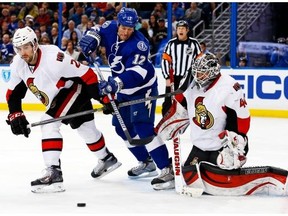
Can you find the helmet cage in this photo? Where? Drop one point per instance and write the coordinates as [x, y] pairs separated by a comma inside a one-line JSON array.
[[205, 68]]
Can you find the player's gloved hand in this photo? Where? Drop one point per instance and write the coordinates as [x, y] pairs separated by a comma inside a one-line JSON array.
[[89, 43], [233, 141], [18, 123], [111, 86], [232, 155], [167, 101], [107, 106]]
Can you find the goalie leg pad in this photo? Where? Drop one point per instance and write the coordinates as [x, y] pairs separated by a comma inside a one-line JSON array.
[[262, 180], [191, 177]]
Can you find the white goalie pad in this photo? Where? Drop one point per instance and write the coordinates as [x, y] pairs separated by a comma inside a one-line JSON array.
[[174, 122]]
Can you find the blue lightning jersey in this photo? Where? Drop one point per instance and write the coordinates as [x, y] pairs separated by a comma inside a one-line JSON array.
[[128, 60]]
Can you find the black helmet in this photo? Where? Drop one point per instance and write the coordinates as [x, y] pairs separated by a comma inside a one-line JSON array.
[[182, 23]]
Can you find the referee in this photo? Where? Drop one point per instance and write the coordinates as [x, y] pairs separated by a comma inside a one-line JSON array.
[[178, 55]]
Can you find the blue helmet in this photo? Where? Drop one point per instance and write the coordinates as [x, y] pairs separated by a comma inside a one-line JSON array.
[[127, 17]]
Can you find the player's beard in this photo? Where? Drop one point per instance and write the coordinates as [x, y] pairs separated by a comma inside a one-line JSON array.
[[29, 59]]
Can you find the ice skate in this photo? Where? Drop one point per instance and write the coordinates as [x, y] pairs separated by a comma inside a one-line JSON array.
[[105, 166], [51, 182], [143, 170], [165, 180]]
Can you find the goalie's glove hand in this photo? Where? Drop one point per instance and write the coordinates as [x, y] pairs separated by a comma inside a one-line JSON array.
[[174, 122], [232, 156], [233, 141], [111, 86], [89, 43], [18, 123], [107, 106]]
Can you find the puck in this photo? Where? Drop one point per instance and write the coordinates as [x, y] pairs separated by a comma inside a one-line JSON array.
[[81, 204]]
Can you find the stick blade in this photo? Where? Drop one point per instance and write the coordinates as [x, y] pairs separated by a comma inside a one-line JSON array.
[[142, 141], [192, 192]]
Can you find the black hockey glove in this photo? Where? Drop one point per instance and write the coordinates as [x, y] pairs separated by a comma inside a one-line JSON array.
[[18, 123], [107, 106], [167, 102]]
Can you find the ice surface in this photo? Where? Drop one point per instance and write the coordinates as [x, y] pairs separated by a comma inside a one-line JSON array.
[[21, 162]]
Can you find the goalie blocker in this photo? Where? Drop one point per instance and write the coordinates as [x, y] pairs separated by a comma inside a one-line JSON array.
[[174, 122], [261, 180]]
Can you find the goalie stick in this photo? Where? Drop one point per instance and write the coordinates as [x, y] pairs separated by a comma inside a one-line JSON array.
[[181, 187], [176, 144]]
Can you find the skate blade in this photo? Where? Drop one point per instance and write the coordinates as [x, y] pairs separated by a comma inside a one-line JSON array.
[[53, 188], [145, 175], [110, 169], [164, 186]]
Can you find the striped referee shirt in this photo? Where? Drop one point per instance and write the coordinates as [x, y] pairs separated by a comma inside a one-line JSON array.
[[180, 54]]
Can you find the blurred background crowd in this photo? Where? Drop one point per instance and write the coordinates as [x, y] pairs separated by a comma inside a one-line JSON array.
[[78, 18]]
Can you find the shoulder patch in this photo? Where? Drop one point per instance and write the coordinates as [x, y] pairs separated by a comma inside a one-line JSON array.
[[142, 46], [106, 24], [60, 56], [237, 86]]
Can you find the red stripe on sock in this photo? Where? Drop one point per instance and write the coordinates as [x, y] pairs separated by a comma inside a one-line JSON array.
[[97, 145], [52, 144]]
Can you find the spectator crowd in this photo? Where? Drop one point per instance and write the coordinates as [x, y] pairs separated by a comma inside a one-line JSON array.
[[78, 18]]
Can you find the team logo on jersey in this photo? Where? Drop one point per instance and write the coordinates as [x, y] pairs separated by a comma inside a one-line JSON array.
[[189, 51], [39, 94], [6, 75], [115, 63], [106, 24], [142, 46], [203, 118]]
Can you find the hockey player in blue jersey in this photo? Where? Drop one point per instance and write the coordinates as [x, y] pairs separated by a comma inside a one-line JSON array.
[[133, 77]]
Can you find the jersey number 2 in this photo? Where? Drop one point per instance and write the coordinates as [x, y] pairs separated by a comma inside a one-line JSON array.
[[77, 64]]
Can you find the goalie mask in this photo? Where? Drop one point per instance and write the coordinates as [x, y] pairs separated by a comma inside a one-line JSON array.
[[205, 69]]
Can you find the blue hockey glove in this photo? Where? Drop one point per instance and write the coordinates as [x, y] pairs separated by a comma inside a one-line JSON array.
[[89, 43], [111, 86]]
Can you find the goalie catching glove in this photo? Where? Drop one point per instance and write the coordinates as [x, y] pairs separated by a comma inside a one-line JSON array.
[[174, 122], [233, 155]]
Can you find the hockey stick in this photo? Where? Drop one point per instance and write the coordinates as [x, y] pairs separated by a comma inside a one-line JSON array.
[[123, 104], [180, 187], [177, 167], [132, 141]]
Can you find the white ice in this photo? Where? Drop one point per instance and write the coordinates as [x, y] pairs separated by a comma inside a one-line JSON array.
[[21, 162]]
